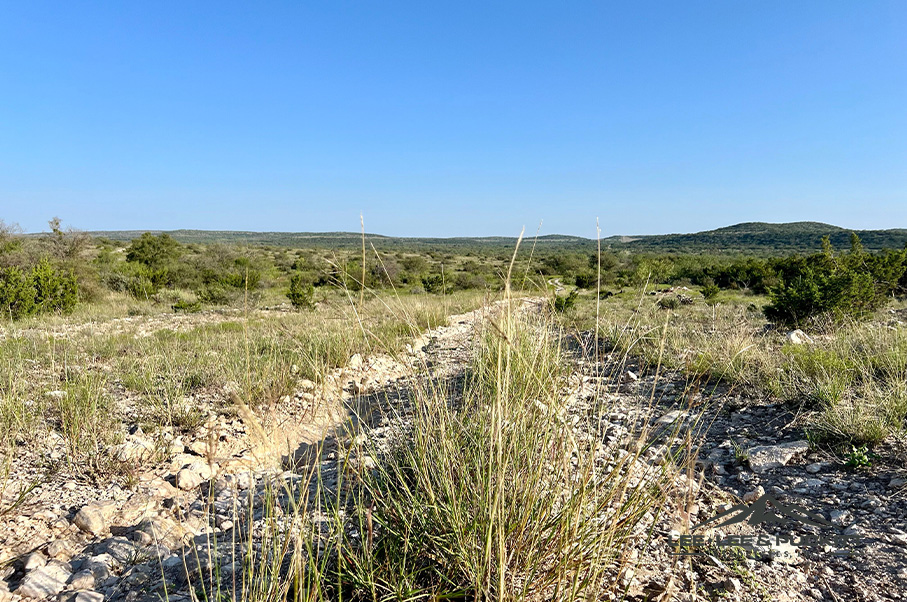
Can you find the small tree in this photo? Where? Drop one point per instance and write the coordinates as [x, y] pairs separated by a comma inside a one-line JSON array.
[[585, 280], [17, 294], [53, 291], [852, 285], [301, 293], [710, 291], [153, 251], [433, 283], [563, 304]]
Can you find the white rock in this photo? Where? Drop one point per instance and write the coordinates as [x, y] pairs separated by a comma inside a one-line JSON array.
[[135, 449], [751, 496], [86, 596], [35, 560], [766, 457], [43, 582], [57, 549], [853, 530], [187, 479], [841, 517], [120, 549], [91, 520], [671, 417], [798, 337], [199, 447], [176, 447], [82, 580]]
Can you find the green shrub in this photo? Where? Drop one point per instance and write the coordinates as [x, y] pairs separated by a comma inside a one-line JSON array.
[[839, 294], [710, 291], [140, 287], [53, 291], [564, 304], [586, 280], [301, 293], [852, 285], [669, 303], [187, 306], [17, 294], [153, 251], [45, 290], [242, 279], [433, 283], [216, 294]]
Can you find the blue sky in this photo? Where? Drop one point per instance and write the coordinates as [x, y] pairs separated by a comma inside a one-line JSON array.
[[453, 118]]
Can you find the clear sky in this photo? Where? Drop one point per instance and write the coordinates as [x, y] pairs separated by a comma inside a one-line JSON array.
[[453, 118]]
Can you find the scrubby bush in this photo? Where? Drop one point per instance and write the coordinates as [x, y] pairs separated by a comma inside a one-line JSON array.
[[564, 304], [464, 281], [153, 251], [45, 290], [187, 306], [217, 294], [669, 303], [53, 291], [17, 294], [710, 291], [848, 286], [586, 280], [301, 293], [433, 283]]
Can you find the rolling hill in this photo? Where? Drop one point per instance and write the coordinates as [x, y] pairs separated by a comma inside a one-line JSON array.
[[749, 238]]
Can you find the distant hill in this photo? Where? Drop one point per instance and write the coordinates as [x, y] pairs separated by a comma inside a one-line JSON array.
[[757, 238], [349, 240]]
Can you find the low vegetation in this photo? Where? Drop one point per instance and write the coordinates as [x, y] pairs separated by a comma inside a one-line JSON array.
[[489, 493], [848, 377]]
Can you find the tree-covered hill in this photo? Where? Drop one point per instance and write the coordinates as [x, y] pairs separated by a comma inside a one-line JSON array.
[[757, 238]]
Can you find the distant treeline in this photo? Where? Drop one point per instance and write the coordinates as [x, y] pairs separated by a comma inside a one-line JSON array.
[[800, 287], [754, 238], [49, 272]]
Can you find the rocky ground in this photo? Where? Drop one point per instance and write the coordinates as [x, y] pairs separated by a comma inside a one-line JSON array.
[[144, 539]]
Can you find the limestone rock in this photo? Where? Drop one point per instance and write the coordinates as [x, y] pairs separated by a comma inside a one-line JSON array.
[[82, 580], [193, 475], [798, 337], [35, 560], [755, 494], [58, 549], [134, 449], [91, 519], [85, 595], [44, 582], [767, 457]]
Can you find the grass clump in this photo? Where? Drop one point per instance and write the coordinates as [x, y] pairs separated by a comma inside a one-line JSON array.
[[87, 421], [493, 496]]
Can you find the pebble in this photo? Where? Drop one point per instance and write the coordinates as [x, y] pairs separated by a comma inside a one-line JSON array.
[[82, 580], [35, 560], [91, 519], [755, 494]]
